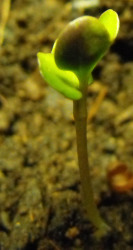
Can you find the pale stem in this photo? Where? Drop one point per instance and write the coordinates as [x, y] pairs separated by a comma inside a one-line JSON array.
[[80, 115]]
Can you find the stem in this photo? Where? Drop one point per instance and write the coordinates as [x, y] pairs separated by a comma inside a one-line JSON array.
[[80, 115]]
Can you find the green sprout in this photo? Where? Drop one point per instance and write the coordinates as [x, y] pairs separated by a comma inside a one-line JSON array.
[[68, 69]]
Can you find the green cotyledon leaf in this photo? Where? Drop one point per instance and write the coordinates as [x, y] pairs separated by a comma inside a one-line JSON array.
[[84, 41], [63, 81], [111, 22], [81, 45]]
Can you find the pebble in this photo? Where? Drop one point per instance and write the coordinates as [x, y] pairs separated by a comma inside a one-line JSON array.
[[110, 145], [106, 111], [120, 178], [4, 221], [72, 232], [125, 116], [31, 90], [4, 121]]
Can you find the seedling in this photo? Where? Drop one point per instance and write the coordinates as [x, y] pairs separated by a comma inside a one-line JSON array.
[[68, 69]]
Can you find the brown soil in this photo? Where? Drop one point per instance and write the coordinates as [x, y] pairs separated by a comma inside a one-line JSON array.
[[40, 203]]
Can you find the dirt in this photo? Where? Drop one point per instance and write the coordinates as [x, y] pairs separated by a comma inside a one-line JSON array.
[[40, 203]]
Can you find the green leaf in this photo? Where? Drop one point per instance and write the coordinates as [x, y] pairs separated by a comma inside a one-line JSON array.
[[63, 81], [110, 20], [81, 45]]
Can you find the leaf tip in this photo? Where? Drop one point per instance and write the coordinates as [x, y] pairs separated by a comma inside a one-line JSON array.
[[111, 22]]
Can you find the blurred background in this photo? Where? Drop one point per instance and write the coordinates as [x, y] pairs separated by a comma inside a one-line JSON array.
[[40, 203]]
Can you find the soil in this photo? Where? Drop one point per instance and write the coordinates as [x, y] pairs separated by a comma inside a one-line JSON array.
[[40, 203]]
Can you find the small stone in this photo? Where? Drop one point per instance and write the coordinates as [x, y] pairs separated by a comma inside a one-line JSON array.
[[120, 177], [110, 145], [4, 121], [72, 232], [31, 90], [125, 116]]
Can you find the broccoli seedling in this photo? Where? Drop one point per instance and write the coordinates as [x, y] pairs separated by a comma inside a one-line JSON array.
[[68, 69]]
